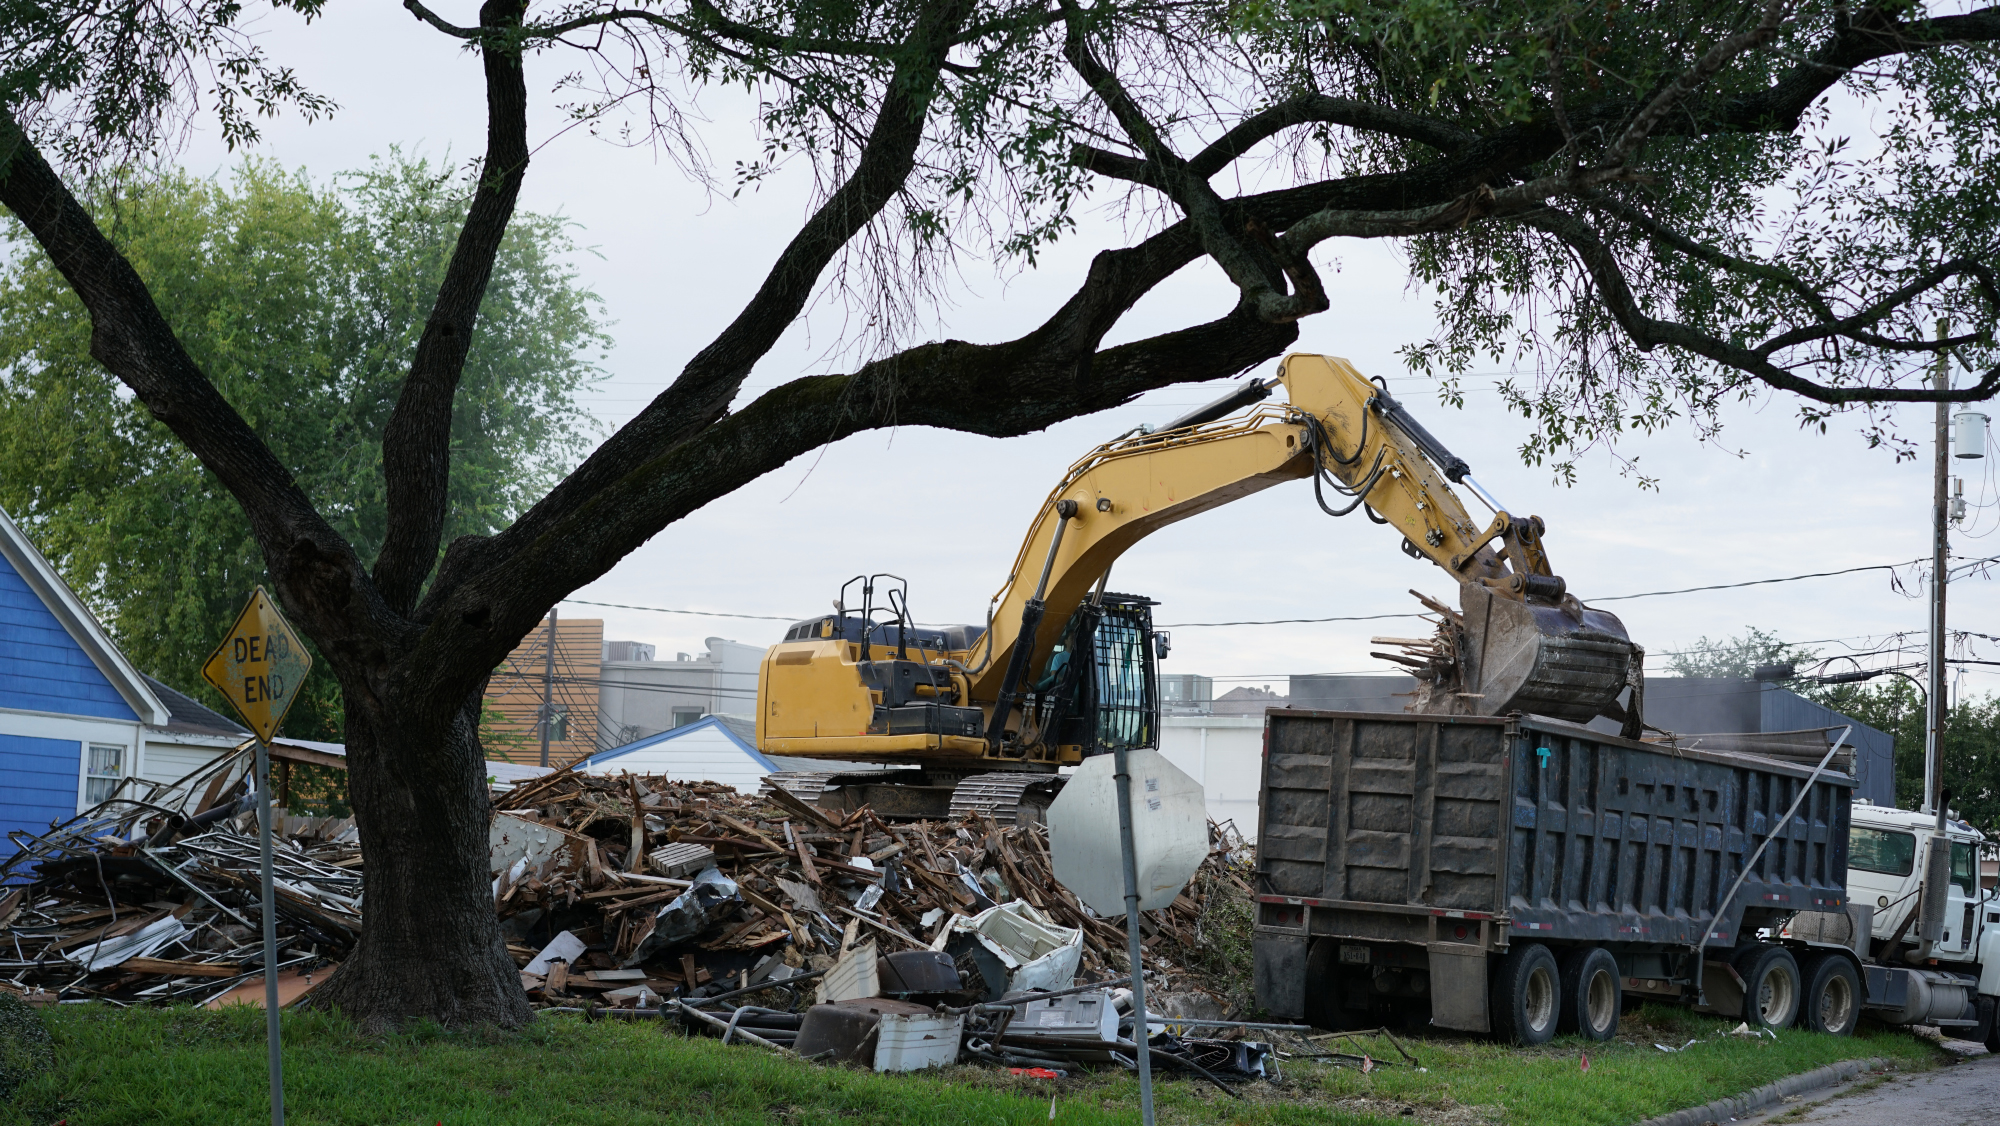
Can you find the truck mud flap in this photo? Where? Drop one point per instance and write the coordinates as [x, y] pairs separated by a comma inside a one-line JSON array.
[[1280, 974], [1458, 987]]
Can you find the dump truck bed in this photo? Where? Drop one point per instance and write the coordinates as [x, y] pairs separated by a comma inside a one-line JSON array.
[[1474, 831]]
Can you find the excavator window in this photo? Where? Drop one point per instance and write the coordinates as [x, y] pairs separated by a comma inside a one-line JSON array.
[[1098, 688], [1124, 697]]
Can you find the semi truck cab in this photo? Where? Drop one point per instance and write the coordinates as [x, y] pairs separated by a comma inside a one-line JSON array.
[[1947, 974]]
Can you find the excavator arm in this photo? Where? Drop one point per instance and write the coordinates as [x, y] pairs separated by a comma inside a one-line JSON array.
[[1522, 636]]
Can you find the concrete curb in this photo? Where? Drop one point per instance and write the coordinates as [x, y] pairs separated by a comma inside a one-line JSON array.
[[1749, 1102]]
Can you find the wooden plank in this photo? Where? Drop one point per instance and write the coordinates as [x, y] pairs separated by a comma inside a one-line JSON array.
[[788, 801], [178, 968], [878, 924], [748, 831]]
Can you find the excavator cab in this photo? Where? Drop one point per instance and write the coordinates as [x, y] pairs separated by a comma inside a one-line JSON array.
[[1099, 689]]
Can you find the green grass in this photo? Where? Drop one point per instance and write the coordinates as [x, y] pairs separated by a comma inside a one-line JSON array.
[[1629, 1079], [190, 1066]]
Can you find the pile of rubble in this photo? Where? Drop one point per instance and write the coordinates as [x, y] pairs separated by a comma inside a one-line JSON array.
[[844, 936], [134, 903], [641, 897], [675, 889]]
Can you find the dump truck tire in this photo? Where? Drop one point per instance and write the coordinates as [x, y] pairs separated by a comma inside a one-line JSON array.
[[1832, 1000], [1771, 986], [1527, 996], [1593, 995], [1323, 1008]]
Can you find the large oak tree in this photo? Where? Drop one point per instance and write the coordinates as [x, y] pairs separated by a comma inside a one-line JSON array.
[[1654, 203]]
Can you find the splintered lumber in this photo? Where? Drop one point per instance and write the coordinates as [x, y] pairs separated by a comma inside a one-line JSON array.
[[174, 967]]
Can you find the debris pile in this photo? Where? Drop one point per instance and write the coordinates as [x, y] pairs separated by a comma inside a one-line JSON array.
[[846, 936], [676, 889], [758, 918], [135, 903]]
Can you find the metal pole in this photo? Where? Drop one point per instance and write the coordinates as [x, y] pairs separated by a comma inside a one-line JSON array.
[[1940, 563], [1123, 777], [548, 686], [264, 816]]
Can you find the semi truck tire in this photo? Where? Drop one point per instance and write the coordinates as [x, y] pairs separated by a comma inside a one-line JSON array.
[[1989, 1023], [1592, 993], [1832, 1000], [1325, 1006], [1527, 996], [1771, 986]]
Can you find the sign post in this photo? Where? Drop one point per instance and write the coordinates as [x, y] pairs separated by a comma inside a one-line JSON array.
[[1142, 1031], [1160, 840], [259, 668]]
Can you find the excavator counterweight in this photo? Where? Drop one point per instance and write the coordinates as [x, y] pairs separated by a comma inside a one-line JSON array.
[[1064, 669]]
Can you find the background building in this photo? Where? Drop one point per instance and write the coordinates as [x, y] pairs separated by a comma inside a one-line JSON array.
[[608, 694], [642, 697], [556, 671]]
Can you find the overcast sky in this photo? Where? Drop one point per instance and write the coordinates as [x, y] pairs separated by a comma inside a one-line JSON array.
[[946, 510]]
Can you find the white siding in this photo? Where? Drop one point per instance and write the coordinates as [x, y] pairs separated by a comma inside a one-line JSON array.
[[698, 754], [168, 762], [1225, 753]]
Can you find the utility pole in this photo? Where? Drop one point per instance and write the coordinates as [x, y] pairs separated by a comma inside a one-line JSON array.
[[549, 676], [1940, 567]]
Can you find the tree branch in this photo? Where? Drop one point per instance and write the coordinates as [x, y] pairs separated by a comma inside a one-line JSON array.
[[1648, 332], [416, 446], [1708, 66], [1004, 389], [1256, 266], [1855, 327], [1312, 108], [700, 395], [1872, 35], [1667, 236]]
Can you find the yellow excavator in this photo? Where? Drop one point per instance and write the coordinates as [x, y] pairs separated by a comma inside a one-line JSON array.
[[1064, 669]]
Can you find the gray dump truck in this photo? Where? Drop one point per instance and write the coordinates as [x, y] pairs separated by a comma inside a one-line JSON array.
[[1523, 877]]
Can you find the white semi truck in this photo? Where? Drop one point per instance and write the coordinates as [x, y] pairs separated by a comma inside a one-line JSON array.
[[1933, 953]]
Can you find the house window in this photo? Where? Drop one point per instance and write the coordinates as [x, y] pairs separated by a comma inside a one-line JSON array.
[[103, 772], [685, 716]]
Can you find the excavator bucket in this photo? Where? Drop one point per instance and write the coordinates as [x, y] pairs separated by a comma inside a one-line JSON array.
[[1562, 661]]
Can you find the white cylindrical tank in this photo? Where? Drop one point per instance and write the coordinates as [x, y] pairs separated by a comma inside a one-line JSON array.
[[1968, 434]]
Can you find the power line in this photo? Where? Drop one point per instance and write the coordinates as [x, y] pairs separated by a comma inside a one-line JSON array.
[[695, 613], [1758, 582], [1290, 621], [1360, 617]]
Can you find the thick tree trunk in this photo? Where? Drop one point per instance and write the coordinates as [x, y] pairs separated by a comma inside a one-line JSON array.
[[432, 946]]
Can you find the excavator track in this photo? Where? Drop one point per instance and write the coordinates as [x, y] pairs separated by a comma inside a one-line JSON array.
[[1010, 798]]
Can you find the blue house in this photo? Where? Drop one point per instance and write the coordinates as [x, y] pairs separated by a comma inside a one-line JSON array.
[[74, 714]]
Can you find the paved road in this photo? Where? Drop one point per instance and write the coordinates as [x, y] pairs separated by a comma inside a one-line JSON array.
[[1965, 1094]]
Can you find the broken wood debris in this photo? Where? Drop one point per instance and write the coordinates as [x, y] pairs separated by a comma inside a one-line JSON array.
[[133, 903], [633, 892]]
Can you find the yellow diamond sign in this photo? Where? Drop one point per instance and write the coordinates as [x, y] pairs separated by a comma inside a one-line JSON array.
[[260, 666]]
